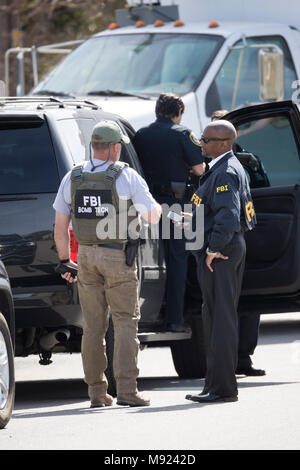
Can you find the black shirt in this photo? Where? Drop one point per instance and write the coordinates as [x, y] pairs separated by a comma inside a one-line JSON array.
[[167, 151]]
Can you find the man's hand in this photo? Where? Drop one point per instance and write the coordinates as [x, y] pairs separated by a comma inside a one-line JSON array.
[[199, 169], [153, 216], [210, 258], [62, 241], [187, 215], [67, 276]]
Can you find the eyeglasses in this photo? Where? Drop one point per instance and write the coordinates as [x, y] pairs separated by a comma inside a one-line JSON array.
[[208, 139]]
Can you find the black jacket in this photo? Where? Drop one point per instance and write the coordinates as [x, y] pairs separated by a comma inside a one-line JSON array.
[[167, 151], [228, 208]]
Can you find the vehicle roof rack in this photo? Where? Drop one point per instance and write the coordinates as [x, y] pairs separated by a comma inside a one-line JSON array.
[[48, 101]]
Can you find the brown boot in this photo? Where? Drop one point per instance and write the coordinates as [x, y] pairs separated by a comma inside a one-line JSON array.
[[132, 399], [107, 400]]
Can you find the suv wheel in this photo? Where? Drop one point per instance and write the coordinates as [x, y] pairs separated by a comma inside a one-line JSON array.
[[189, 355], [7, 376]]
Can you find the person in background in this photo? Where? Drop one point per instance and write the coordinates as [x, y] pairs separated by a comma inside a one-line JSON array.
[[168, 152]]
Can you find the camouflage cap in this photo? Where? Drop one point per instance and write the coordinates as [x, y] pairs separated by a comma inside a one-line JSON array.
[[108, 132]]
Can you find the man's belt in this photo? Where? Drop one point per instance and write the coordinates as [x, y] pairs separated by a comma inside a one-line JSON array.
[[114, 246], [174, 189]]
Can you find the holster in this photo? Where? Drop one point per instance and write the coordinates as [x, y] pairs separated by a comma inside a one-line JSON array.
[[173, 189], [178, 189], [131, 250]]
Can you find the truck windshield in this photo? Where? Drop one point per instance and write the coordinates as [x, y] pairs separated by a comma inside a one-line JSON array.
[[147, 64]]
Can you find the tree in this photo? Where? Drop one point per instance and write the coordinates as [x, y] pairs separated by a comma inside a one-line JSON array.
[[44, 22], [7, 23]]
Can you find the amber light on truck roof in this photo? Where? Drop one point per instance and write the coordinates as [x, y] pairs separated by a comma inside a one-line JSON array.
[[140, 24], [159, 23], [213, 24], [178, 23], [113, 26]]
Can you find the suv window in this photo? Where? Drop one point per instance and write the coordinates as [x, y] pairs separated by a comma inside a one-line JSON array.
[[220, 93], [74, 132], [271, 141], [27, 160], [77, 136]]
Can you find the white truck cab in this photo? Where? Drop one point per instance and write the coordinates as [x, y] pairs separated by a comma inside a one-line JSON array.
[[216, 55]]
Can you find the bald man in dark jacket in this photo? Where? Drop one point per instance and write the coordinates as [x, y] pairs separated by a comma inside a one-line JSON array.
[[228, 212]]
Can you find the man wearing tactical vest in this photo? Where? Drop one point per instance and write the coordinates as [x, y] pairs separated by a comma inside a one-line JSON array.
[[96, 196]]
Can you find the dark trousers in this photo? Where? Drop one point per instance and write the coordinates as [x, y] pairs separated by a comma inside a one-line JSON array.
[[176, 258], [248, 337], [221, 291]]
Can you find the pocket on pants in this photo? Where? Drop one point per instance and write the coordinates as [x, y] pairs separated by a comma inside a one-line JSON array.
[[117, 268]]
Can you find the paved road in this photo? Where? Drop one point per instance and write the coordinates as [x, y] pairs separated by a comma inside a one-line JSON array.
[[52, 407]]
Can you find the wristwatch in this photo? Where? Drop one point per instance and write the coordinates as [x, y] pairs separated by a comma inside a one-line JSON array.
[[211, 253], [64, 261]]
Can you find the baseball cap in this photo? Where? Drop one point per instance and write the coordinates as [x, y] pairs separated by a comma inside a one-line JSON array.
[[108, 132]]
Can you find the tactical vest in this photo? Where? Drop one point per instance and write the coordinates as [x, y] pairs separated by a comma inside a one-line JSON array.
[[98, 214]]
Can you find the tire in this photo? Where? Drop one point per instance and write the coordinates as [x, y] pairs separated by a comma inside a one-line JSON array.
[[189, 355], [110, 341], [7, 374]]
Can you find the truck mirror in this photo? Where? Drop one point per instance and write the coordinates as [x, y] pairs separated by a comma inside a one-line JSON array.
[[271, 73]]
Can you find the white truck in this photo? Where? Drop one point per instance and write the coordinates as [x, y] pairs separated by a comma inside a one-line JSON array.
[[214, 54]]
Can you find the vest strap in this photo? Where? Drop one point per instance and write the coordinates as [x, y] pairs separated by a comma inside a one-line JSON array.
[[114, 171], [77, 172]]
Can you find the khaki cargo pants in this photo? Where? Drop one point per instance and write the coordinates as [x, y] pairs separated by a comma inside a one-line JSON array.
[[106, 282]]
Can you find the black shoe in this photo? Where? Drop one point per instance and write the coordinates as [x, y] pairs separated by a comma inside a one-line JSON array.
[[250, 371], [210, 398], [188, 397], [177, 327], [191, 396]]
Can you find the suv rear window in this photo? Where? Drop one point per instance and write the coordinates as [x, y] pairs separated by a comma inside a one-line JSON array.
[[27, 160]]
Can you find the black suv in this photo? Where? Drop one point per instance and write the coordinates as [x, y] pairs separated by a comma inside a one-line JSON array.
[[42, 138]]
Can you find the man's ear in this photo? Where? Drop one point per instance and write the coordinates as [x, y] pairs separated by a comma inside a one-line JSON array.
[[226, 146], [117, 150]]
